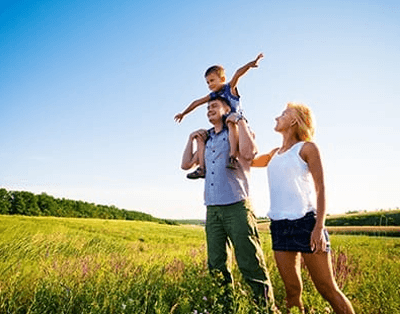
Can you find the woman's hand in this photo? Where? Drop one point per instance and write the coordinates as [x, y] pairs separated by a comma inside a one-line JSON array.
[[318, 240]]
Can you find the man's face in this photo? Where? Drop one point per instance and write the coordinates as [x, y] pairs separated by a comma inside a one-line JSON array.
[[216, 109]]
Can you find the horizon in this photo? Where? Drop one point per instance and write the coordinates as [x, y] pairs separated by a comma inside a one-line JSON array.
[[185, 219]]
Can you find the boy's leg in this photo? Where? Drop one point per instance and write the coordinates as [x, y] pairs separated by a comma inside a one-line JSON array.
[[234, 145], [201, 145], [200, 172]]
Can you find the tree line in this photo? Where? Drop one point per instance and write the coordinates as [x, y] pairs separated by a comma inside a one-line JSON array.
[[30, 204], [379, 218]]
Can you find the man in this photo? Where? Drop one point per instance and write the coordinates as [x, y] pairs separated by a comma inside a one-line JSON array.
[[230, 218]]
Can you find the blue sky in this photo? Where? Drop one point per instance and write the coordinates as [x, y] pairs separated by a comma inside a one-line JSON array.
[[89, 89]]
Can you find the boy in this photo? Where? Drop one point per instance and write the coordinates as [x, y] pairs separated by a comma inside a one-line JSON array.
[[215, 78]]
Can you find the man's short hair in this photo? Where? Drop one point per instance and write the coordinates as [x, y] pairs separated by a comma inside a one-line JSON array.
[[223, 100]]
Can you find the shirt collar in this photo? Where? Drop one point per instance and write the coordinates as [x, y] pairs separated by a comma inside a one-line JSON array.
[[212, 130]]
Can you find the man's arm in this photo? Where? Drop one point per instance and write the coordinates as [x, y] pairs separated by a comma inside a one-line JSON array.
[[190, 158], [196, 103], [243, 70]]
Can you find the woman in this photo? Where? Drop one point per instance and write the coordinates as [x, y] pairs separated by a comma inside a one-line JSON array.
[[297, 210]]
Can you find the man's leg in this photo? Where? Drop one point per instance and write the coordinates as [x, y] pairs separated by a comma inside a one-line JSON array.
[[217, 242], [218, 247], [242, 230]]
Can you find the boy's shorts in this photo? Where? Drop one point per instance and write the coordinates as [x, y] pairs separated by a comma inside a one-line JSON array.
[[295, 235]]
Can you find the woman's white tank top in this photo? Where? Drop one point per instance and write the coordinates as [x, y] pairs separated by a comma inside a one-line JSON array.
[[291, 185]]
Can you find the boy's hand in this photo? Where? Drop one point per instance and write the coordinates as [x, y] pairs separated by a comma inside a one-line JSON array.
[[254, 64], [178, 117]]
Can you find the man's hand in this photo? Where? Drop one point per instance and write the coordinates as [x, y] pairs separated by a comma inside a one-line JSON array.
[[200, 134], [178, 117]]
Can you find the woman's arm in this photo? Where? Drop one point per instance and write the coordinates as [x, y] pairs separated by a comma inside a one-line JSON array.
[[263, 160], [310, 154]]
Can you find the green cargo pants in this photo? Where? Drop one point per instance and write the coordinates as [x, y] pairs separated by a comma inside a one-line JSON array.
[[236, 223]]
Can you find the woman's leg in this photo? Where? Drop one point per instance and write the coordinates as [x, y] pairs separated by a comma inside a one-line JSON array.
[[289, 268], [320, 267]]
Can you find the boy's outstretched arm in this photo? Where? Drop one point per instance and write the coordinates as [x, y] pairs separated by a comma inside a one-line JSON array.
[[196, 103], [243, 70]]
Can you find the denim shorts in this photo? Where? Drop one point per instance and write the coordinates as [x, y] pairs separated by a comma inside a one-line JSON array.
[[295, 235]]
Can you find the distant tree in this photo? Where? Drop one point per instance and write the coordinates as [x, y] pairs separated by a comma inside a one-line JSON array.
[[31, 206], [18, 206], [5, 202], [27, 203], [47, 205], [66, 207]]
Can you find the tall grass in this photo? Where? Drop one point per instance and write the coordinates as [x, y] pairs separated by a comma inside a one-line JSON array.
[[64, 265]]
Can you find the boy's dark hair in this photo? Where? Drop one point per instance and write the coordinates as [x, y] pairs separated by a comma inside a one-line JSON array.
[[217, 69]]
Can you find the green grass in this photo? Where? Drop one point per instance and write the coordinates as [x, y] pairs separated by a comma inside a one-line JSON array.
[[66, 265]]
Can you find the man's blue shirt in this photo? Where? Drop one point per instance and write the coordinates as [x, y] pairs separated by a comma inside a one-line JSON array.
[[223, 186]]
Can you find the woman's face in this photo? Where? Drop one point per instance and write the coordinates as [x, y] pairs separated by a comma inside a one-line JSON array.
[[285, 120]]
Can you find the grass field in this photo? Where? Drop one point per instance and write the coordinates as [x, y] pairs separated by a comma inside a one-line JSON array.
[[65, 265]]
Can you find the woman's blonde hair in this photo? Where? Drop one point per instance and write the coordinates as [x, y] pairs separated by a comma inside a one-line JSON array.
[[305, 121]]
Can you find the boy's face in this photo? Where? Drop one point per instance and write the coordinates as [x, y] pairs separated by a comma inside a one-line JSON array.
[[215, 82]]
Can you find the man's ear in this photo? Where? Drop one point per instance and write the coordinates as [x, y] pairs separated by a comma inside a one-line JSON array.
[[223, 79]]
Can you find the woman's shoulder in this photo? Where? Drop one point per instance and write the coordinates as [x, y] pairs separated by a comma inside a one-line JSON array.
[[309, 146], [309, 149]]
